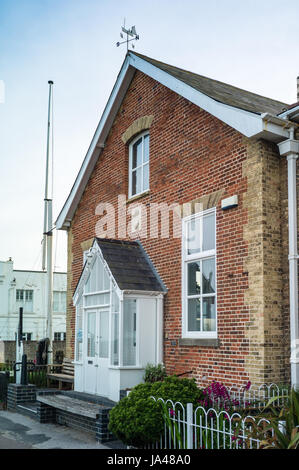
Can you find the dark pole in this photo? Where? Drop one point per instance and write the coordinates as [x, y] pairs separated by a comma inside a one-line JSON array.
[[20, 330], [24, 380]]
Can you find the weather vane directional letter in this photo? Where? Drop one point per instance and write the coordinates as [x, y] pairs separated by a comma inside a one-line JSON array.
[[129, 32]]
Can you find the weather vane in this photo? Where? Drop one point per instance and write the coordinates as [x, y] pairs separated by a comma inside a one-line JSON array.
[[129, 32]]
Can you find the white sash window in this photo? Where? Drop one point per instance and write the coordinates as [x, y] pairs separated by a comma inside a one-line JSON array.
[[139, 165], [199, 275]]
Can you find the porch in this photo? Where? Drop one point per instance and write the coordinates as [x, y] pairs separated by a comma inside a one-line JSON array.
[[119, 318]]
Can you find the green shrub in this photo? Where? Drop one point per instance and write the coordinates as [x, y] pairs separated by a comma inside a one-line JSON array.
[[154, 373], [138, 420]]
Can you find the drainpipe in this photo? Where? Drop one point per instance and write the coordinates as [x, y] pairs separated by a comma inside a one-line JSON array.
[[290, 149]]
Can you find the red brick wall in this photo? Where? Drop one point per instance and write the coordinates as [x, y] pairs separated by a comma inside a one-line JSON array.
[[191, 154]]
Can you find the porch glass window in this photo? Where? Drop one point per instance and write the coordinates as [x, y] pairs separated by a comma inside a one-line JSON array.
[[139, 165], [79, 330], [199, 275], [115, 329], [91, 336], [129, 333], [111, 324]]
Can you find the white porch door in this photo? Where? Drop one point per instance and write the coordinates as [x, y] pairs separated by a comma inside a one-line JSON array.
[[97, 352]]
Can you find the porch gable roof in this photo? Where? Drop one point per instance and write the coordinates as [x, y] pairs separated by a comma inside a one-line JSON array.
[[130, 265], [127, 263]]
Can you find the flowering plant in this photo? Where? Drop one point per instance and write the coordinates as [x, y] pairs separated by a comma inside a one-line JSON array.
[[216, 395]]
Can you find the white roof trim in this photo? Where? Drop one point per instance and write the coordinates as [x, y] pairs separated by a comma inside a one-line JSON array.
[[94, 251], [247, 123]]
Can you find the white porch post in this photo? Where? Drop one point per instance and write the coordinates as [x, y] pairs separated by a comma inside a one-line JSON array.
[[290, 149]]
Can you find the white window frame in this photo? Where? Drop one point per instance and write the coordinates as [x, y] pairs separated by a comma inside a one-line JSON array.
[[139, 136], [24, 300], [196, 257], [62, 335], [60, 302]]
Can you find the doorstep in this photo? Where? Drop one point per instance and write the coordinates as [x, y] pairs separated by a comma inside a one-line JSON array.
[[77, 410], [72, 405]]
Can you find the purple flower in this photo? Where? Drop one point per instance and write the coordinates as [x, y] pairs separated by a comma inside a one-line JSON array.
[[248, 385]]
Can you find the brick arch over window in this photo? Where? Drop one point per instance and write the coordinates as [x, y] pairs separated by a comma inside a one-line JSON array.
[[141, 124]]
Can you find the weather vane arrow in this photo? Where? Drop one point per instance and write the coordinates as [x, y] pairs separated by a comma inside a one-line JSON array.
[[130, 33]]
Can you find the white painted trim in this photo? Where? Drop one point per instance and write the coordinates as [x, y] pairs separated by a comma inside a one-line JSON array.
[[243, 121], [93, 253], [185, 260], [141, 135]]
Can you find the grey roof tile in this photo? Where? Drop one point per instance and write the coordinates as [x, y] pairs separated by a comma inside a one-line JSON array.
[[130, 265], [220, 91]]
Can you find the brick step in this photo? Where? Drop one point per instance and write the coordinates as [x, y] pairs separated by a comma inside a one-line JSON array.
[[83, 414]]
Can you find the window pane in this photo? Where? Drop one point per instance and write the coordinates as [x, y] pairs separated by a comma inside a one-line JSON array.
[[104, 334], [97, 299], [193, 236], [194, 278], [87, 285], [137, 154], [146, 148], [93, 279], [136, 181], [129, 334], [194, 315], [209, 232], [29, 295], [106, 280], [145, 177], [20, 294], [208, 276], [115, 301], [91, 328], [79, 321], [115, 339], [209, 314]]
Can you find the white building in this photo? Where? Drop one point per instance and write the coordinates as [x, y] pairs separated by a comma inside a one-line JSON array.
[[27, 289]]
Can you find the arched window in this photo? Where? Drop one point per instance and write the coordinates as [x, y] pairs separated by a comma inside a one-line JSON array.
[[139, 165]]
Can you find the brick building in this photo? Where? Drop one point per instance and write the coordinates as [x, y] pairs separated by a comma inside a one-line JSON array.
[[186, 179]]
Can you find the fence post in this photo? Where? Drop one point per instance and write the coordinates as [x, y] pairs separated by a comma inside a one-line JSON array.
[[189, 425]]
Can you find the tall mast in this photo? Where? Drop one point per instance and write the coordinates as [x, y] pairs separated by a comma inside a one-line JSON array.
[[47, 235]]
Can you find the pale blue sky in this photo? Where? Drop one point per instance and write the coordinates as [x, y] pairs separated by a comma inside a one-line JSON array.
[[250, 44]]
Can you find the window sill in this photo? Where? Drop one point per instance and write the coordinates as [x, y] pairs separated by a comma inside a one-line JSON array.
[[210, 342], [126, 367], [137, 196]]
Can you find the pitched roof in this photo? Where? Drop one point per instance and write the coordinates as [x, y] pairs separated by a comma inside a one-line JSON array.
[[130, 265], [248, 113], [220, 91]]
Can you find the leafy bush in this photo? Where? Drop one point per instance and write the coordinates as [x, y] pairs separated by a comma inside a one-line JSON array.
[[138, 420], [154, 373]]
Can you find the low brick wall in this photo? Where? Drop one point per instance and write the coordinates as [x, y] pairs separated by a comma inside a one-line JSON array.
[[17, 393], [97, 426]]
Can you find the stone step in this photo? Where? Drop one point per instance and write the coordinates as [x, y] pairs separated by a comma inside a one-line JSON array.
[[70, 404]]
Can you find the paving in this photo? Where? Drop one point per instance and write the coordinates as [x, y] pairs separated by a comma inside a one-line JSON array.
[[22, 432]]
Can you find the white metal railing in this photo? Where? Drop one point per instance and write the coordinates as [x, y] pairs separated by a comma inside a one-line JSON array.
[[212, 426]]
